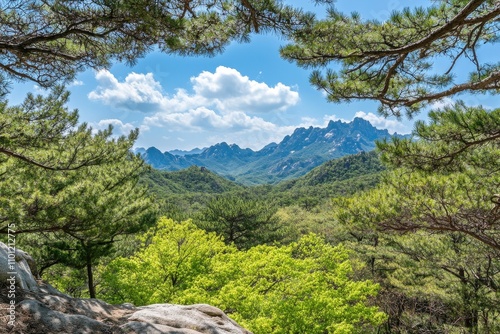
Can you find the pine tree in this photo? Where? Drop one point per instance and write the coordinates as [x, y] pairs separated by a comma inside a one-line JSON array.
[[244, 222], [75, 189], [46, 41], [392, 61]]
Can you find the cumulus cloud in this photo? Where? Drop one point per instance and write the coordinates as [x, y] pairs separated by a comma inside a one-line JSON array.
[[206, 119], [233, 127], [226, 91], [119, 128], [229, 90], [222, 104], [139, 92]]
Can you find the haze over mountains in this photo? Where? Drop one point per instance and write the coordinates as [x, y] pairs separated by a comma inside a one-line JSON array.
[[294, 156]]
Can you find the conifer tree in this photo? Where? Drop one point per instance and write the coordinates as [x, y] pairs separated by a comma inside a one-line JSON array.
[[444, 188], [48, 40], [392, 61], [244, 222], [75, 189]]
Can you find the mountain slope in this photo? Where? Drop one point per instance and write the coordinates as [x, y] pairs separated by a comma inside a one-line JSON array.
[[339, 177], [187, 181], [345, 168], [294, 156]]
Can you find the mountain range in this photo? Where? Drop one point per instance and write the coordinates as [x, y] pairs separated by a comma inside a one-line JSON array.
[[294, 156]]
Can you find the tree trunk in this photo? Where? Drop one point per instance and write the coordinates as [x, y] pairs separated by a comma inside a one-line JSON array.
[[90, 275]]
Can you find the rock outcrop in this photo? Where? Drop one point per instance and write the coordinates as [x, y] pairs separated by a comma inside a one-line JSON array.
[[17, 266], [30, 306]]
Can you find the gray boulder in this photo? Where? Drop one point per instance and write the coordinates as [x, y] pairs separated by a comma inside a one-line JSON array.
[[16, 268], [191, 319]]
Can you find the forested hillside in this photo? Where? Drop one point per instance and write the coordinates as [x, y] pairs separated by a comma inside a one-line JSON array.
[[190, 180], [294, 156], [337, 177]]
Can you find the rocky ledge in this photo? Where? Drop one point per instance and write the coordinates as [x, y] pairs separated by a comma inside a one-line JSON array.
[[31, 306]]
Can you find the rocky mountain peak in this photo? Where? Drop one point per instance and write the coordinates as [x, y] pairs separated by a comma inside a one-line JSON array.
[[294, 156]]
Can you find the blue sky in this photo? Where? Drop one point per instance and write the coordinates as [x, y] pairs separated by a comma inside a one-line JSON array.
[[247, 95]]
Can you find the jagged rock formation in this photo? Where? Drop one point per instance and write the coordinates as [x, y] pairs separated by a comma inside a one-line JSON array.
[[294, 156], [31, 306]]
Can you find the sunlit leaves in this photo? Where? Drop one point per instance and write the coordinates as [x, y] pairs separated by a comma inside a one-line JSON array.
[[304, 287], [173, 256]]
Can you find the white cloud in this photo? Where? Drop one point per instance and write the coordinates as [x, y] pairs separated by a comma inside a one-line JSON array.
[[139, 92], [219, 105], [381, 122], [232, 127], [229, 91], [226, 91], [206, 119], [119, 128]]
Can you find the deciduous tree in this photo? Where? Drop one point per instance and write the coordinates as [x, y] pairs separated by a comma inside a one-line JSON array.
[[304, 287], [172, 256]]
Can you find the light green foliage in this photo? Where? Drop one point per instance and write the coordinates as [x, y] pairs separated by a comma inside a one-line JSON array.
[[298, 221], [391, 61], [173, 255], [304, 287], [64, 269]]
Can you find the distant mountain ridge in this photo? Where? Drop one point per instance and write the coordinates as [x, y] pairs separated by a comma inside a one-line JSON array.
[[182, 152], [294, 156]]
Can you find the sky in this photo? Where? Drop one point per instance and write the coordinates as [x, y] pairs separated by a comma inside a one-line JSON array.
[[246, 95]]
